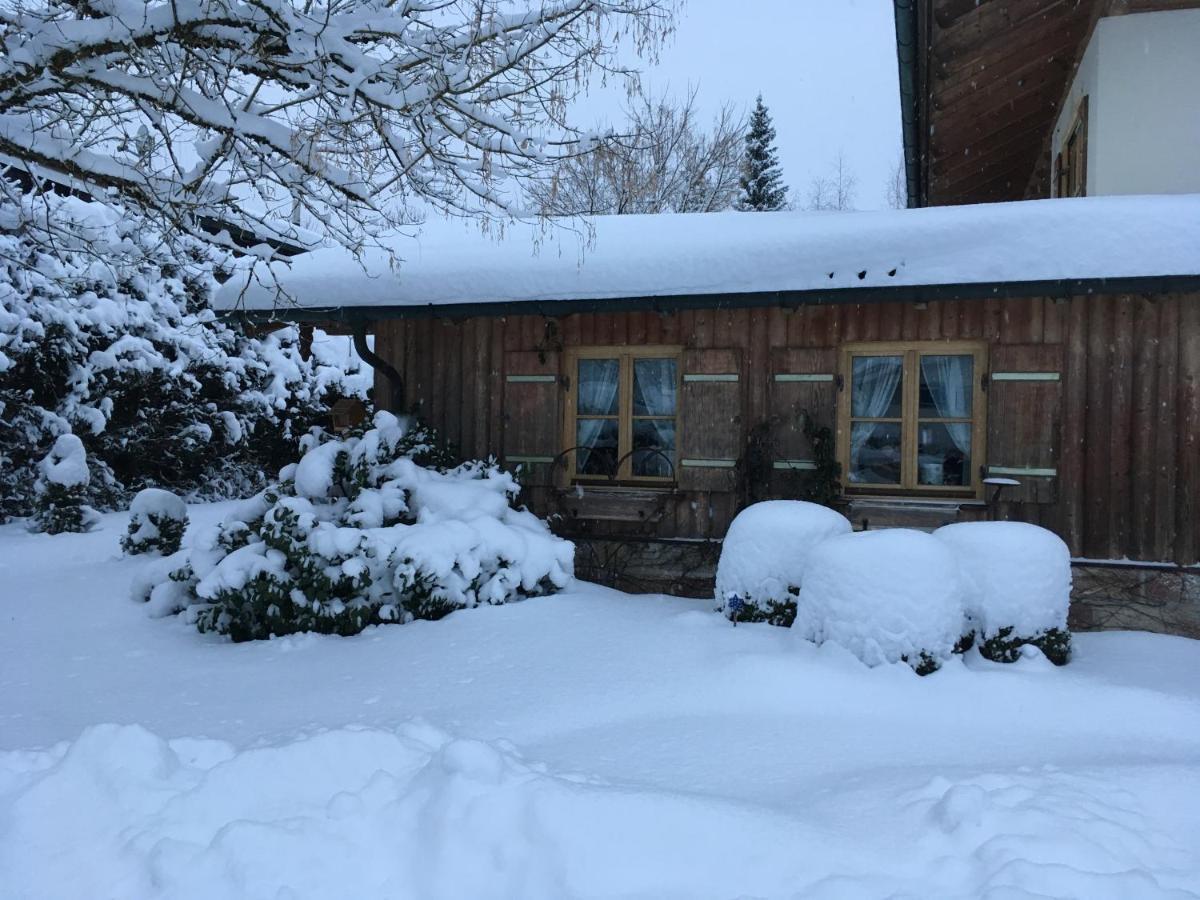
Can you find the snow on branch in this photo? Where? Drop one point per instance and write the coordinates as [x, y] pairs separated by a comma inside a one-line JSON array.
[[341, 112]]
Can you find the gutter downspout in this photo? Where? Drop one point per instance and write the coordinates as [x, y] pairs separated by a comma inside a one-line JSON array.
[[380, 365], [906, 55]]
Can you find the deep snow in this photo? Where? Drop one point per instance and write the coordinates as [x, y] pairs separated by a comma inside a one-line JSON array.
[[602, 257], [590, 744]]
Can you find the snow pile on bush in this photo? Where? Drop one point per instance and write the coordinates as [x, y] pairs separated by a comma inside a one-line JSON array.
[[112, 339], [887, 596], [1018, 587], [63, 478], [157, 521], [364, 530], [764, 554]]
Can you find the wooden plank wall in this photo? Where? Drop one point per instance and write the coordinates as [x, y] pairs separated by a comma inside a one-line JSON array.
[[1129, 467]]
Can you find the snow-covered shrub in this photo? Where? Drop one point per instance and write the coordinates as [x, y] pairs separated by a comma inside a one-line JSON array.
[[157, 521], [886, 596], [763, 557], [63, 479], [1018, 583], [110, 337], [366, 529]]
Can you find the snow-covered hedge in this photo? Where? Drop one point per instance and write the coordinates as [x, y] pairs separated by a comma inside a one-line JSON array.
[[364, 530], [157, 521], [62, 479], [110, 338], [893, 595], [1018, 587], [763, 557]]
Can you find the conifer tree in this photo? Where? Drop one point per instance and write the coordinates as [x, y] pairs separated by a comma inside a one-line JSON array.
[[762, 178]]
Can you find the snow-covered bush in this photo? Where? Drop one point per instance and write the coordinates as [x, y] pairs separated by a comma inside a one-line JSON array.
[[886, 596], [109, 337], [366, 529], [1018, 587], [63, 478], [763, 557], [157, 521]]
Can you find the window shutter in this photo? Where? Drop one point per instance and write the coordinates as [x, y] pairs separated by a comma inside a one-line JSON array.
[[710, 419], [532, 404], [801, 381], [1024, 410]]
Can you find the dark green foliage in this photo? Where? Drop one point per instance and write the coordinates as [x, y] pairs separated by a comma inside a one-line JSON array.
[[61, 509], [762, 178], [924, 664], [773, 612], [317, 595], [115, 341], [753, 472], [823, 484], [1055, 644], [1005, 647], [164, 537]]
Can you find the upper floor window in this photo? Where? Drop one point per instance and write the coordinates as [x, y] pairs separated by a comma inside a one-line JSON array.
[[912, 417], [1070, 166], [622, 413]]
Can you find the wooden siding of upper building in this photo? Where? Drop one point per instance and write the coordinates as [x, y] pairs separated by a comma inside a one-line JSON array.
[[1121, 426], [991, 78]]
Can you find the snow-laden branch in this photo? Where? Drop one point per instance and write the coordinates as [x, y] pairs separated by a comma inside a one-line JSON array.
[[341, 110]]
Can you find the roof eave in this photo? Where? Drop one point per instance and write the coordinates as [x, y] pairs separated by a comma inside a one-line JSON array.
[[1063, 288]]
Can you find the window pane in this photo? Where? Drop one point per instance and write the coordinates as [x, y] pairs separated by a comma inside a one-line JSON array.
[[597, 441], [875, 453], [876, 385], [658, 434], [598, 383], [654, 386], [944, 453], [947, 384]]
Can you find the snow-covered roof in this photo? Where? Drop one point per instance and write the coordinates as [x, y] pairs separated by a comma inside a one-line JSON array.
[[688, 255]]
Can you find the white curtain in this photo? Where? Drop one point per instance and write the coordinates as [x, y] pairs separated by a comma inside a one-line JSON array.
[[950, 380], [875, 382], [655, 384], [654, 387], [597, 392]]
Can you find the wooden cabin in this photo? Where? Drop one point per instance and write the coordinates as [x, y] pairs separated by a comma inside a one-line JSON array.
[[648, 376]]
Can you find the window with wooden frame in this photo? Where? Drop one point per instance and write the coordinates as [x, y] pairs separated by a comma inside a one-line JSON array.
[[911, 417], [1070, 165], [622, 414]]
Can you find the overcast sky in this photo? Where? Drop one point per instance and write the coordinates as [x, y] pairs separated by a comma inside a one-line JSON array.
[[826, 69]]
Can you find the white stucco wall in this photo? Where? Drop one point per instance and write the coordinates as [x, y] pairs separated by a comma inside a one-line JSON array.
[[1141, 74]]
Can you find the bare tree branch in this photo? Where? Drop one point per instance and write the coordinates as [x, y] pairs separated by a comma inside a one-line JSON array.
[[665, 161]]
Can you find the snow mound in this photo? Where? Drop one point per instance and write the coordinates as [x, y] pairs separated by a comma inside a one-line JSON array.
[[886, 596], [157, 521], [410, 813], [1016, 575], [157, 502], [764, 553], [66, 463]]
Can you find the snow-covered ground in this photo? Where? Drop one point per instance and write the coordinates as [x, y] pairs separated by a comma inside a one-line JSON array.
[[590, 744]]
